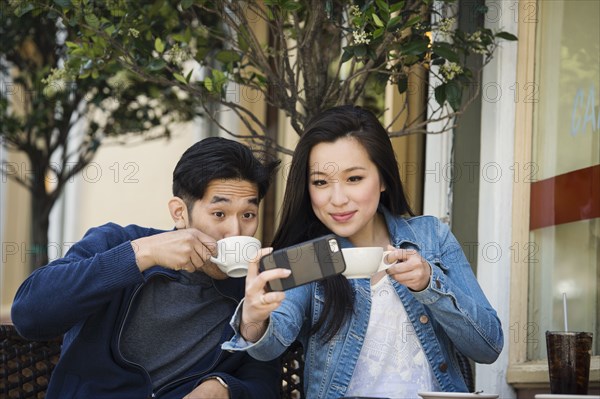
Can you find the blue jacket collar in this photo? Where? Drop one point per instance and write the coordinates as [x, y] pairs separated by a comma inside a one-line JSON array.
[[401, 233]]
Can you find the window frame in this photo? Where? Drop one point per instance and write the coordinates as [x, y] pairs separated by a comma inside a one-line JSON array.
[[521, 373]]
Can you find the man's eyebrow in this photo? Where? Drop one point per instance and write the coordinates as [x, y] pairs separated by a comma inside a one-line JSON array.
[[217, 199]]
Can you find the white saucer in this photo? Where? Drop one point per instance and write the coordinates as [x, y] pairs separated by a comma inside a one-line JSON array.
[[456, 395], [564, 396]]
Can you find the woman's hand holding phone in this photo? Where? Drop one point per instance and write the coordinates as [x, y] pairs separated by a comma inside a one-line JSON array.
[[258, 302]]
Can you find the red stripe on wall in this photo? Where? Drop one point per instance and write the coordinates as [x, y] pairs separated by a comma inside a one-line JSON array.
[[565, 198]]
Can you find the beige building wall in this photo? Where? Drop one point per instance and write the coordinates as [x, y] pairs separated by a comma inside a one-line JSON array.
[[15, 224], [129, 184]]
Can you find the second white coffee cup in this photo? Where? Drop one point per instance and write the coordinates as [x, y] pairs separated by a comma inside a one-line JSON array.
[[235, 253]]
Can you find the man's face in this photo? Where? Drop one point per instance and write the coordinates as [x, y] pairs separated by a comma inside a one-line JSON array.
[[229, 207]]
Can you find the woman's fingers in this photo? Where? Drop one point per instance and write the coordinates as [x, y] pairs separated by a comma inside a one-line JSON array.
[[253, 266], [256, 281], [410, 269], [272, 299]]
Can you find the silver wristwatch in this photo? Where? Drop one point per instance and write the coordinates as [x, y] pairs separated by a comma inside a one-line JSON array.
[[219, 379]]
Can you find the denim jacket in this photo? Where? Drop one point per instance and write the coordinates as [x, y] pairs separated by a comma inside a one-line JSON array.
[[451, 317]]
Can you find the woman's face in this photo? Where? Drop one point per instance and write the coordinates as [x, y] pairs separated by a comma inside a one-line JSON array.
[[344, 188]]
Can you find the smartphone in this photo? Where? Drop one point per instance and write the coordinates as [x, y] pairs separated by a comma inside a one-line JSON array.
[[309, 261]]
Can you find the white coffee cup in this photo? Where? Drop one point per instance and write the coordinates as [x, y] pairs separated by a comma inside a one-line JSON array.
[[458, 395], [361, 262], [235, 253]]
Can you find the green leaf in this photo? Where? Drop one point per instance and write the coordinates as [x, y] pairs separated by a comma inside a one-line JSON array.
[[378, 21], [23, 9], [269, 13], [180, 78], [201, 53], [242, 42], [378, 32], [445, 50], [440, 94], [159, 45], [179, 37], [92, 20], [396, 7], [117, 12], [63, 3], [219, 78], [383, 6], [208, 84], [371, 53], [411, 59], [157, 64], [454, 94], [360, 50], [291, 6], [413, 21], [506, 36], [110, 29], [394, 23], [227, 56], [185, 4], [216, 83], [348, 54], [402, 85], [415, 47]]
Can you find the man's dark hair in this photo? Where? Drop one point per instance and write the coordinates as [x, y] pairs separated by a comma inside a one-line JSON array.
[[219, 158]]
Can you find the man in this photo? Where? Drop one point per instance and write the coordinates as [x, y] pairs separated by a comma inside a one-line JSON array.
[[144, 311]]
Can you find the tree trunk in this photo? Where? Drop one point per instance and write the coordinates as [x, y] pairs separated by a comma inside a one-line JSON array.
[[270, 202], [41, 204]]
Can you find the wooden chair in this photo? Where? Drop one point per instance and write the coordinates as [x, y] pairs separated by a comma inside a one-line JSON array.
[[292, 372], [25, 366]]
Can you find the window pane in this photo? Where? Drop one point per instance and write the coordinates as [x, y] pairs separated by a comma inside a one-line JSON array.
[[565, 190]]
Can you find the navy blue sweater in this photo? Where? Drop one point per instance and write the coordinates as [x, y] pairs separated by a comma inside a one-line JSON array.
[[86, 296]]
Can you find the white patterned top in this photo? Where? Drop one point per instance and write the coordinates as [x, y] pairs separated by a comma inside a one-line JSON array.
[[392, 363]]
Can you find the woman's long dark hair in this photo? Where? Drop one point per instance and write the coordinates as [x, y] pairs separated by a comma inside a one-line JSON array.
[[299, 222]]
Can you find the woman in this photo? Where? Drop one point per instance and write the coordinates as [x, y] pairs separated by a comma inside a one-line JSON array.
[[359, 339]]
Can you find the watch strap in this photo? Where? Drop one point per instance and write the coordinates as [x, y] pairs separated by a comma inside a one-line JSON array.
[[219, 379]]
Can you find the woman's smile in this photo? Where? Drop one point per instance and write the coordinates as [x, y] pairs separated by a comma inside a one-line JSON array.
[[343, 216]]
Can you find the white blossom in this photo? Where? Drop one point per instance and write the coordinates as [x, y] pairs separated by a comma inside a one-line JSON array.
[[355, 11], [446, 24], [361, 37], [56, 82], [450, 70], [477, 44]]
